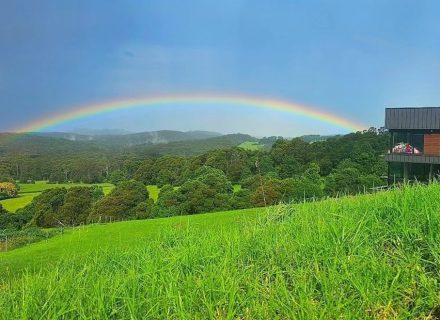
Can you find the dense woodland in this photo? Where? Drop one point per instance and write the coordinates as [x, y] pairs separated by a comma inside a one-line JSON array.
[[285, 170]]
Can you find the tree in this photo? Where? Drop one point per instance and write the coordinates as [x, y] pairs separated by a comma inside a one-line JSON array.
[[8, 190], [168, 170], [45, 208], [308, 185], [215, 179], [144, 210], [209, 190], [61, 206], [13, 221], [117, 176], [241, 199], [97, 193], [344, 179], [121, 203], [168, 203], [269, 193], [77, 206], [290, 156], [146, 172]]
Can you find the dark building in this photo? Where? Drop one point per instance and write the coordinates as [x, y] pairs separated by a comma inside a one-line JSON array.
[[414, 152]]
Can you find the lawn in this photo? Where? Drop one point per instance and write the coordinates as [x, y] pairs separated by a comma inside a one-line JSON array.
[[371, 256]]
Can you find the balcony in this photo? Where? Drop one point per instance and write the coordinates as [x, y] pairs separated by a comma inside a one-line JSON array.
[[412, 158], [404, 152]]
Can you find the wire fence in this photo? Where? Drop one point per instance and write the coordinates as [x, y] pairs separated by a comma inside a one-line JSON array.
[[10, 239]]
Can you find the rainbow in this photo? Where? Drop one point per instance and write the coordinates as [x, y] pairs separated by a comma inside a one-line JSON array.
[[155, 101]]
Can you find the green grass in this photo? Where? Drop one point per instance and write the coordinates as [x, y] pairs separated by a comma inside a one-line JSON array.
[[78, 242], [153, 192], [366, 257], [21, 201], [40, 186], [250, 145]]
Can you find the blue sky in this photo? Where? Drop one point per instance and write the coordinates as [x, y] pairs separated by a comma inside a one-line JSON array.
[[351, 58]]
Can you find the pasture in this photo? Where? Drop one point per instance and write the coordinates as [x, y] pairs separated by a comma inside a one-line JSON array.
[[372, 256], [251, 146]]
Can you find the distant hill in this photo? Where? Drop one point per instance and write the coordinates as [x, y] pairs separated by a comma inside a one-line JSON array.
[[155, 143], [101, 132], [194, 147], [133, 139], [30, 145], [315, 138]]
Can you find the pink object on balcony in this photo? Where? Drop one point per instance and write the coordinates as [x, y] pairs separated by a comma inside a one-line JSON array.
[[405, 148]]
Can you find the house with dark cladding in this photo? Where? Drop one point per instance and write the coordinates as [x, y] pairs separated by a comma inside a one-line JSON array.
[[414, 152]]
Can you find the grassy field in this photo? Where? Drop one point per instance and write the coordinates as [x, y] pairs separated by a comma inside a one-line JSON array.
[[249, 145], [21, 201], [29, 191], [40, 186], [153, 192], [372, 256]]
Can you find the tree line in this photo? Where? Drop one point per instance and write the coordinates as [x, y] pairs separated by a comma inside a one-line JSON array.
[[291, 170]]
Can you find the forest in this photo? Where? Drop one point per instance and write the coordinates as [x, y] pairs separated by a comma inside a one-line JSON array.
[[290, 170]]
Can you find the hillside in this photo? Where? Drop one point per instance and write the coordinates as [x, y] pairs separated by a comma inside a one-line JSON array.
[[148, 143], [369, 256], [193, 147], [311, 138], [133, 139], [32, 145]]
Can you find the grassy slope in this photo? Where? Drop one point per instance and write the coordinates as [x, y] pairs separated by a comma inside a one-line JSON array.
[[373, 256], [21, 201], [251, 145], [29, 191], [78, 242]]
